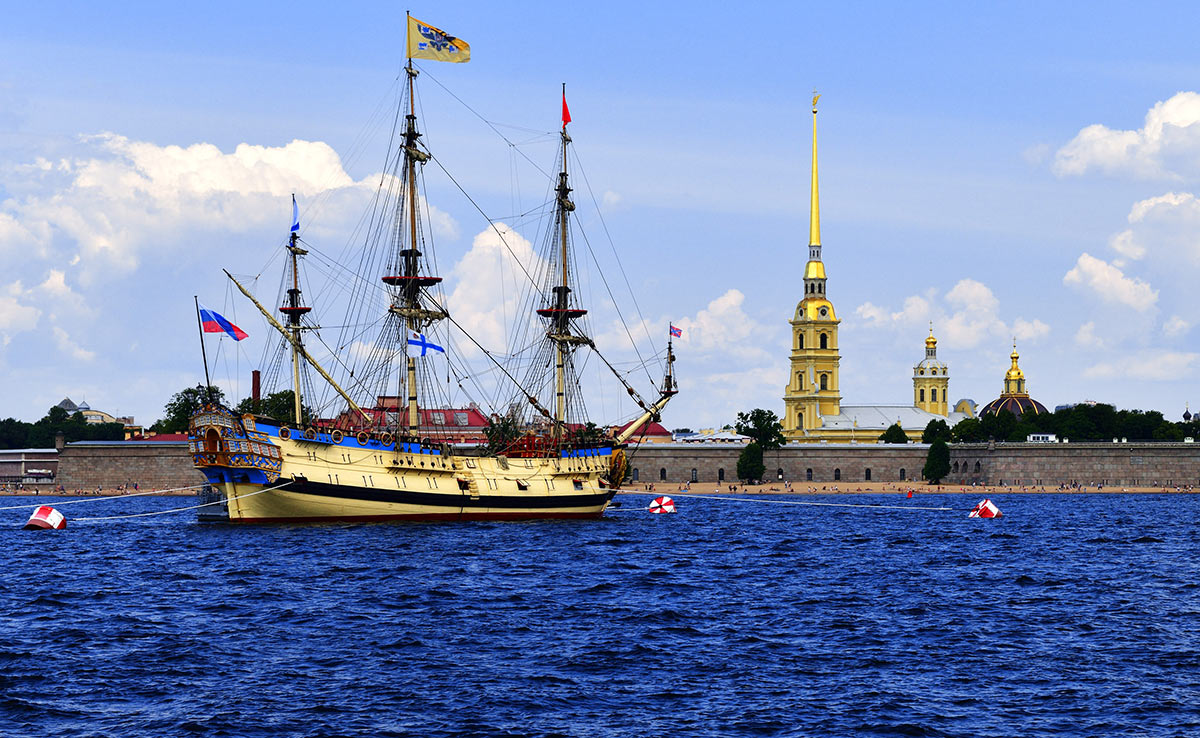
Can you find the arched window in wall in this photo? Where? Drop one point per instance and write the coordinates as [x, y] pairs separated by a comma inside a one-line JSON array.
[[867, 474], [800, 338], [695, 477], [922, 395], [779, 473], [933, 395], [635, 474], [808, 474], [976, 467], [824, 381], [824, 341], [837, 475], [902, 475], [721, 474], [662, 475]]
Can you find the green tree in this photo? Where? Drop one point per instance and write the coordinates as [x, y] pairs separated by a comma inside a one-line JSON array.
[[937, 462], [14, 433], [278, 406], [183, 404], [762, 426], [750, 467], [936, 429], [999, 426], [588, 436], [502, 432], [894, 434], [967, 430]]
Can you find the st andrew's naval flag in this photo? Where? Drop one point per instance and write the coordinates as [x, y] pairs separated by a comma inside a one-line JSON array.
[[676, 332], [418, 340], [427, 42], [214, 322]]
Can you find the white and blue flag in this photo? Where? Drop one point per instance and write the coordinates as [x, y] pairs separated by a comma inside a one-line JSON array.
[[418, 340], [295, 216]]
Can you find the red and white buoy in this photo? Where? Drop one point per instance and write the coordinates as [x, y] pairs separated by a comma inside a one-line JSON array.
[[662, 504], [985, 509], [46, 518]]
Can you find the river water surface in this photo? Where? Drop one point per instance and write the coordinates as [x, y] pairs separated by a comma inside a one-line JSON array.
[[1073, 615]]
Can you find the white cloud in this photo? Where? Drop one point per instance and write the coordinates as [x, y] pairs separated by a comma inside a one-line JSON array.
[[1176, 326], [966, 317], [1111, 284], [128, 196], [14, 316], [1167, 145], [1026, 330], [1161, 366], [610, 199], [722, 326], [1086, 336], [69, 346], [489, 282]]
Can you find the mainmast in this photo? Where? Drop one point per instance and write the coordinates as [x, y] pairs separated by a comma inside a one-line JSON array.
[[293, 310], [560, 313], [409, 282]]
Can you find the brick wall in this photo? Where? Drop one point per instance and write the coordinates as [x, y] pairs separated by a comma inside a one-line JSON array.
[[163, 465]]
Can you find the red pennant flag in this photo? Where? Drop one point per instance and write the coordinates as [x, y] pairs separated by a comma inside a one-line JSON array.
[[566, 116]]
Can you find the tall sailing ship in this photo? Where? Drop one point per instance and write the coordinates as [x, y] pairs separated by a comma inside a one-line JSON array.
[[384, 450]]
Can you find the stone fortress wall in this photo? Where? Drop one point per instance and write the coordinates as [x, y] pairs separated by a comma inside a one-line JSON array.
[[166, 465], [151, 465], [1040, 464]]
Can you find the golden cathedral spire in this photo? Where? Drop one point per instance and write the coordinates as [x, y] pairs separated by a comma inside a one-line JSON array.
[[814, 223]]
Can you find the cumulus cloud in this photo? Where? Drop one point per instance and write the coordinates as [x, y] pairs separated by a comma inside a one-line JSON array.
[[721, 326], [126, 196], [1176, 326], [1086, 336], [1167, 145], [15, 316], [70, 347], [489, 282], [1111, 284], [967, 316], [1158, 366], [1165, 226], [1029, 330]]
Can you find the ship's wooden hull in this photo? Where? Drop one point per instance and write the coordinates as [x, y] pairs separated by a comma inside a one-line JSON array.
[[269, 474], [303, 501]]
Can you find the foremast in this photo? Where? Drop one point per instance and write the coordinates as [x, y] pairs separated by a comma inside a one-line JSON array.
[[294, 310]]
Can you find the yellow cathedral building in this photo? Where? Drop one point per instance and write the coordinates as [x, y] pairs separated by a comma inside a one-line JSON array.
[[812, 402]]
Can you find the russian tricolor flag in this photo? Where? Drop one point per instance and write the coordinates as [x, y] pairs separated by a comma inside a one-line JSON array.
[[214, 322]]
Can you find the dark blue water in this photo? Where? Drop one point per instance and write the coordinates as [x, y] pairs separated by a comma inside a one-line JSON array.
[[1073, 615]]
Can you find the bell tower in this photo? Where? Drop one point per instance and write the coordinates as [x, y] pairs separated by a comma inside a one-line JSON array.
[[812, 391], [931, 381]]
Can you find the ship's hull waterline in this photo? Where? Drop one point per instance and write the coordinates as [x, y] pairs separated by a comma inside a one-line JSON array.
[[268, 474]]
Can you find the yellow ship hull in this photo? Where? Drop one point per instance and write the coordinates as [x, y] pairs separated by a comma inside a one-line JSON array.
[[268, 474]]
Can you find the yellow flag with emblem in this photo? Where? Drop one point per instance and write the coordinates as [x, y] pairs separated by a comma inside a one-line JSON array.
[[427, 42]]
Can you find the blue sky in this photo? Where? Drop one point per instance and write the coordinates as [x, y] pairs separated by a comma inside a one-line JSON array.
[[1019, 170]]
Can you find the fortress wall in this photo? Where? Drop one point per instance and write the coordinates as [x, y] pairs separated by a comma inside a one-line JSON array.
[[1051, 464], [825, 461], [164, 465]]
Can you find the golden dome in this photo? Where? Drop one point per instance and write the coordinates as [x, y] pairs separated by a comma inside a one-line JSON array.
[[814, 270], [1014, 373]]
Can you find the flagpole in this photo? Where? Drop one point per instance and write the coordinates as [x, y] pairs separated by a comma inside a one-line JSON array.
[[203, 353]]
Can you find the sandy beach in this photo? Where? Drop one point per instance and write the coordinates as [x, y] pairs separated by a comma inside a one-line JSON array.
[[885, 488]]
